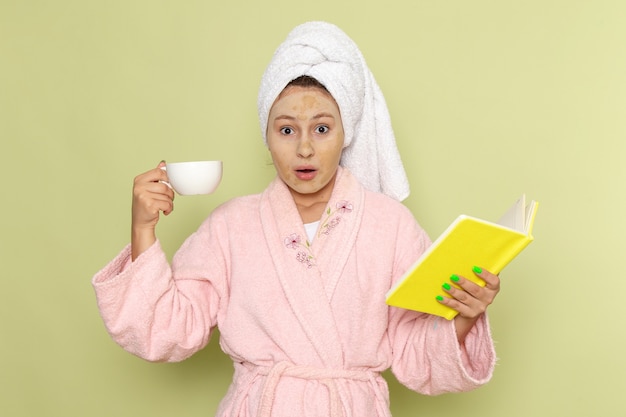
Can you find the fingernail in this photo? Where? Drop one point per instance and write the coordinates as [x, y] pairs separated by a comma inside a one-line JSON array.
[[446, 286], [454, 278], [439, 298], [477, 269]]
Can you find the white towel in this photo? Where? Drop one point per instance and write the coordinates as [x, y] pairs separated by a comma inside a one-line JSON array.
[[323, 51]]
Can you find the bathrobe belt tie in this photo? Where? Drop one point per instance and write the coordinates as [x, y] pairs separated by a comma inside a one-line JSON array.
[[325, 376]]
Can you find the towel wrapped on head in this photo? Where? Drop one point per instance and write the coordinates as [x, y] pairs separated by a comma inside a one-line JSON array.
[[323, 51]]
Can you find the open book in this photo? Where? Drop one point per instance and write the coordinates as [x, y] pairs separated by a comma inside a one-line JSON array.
[[466, 243]]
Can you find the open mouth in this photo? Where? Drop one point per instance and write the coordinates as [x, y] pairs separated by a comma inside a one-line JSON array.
[[305, 173]]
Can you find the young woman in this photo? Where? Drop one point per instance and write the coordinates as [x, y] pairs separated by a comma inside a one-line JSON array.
[[295, 277]]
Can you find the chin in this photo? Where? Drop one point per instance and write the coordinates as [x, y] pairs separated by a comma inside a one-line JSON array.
[[306, 189]]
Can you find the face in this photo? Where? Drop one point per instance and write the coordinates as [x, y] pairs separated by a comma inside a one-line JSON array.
[[305, 137]]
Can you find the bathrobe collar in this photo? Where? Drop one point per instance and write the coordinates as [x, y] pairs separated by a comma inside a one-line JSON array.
[[309, 272]]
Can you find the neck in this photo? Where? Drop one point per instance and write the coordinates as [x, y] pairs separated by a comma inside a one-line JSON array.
[[312, 213], [311, 206]]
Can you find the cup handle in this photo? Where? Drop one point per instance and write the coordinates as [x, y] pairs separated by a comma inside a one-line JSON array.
[[165, 182]]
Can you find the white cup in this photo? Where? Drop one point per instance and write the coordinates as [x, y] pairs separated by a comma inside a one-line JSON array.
[[193, 178]]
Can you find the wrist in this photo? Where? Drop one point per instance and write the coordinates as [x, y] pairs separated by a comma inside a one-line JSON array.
[[141, 239], [463, 325]]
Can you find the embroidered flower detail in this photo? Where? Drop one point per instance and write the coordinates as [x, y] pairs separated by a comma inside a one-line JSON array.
[[306, 259], [292, 241], [330, 225], [344, 206], [333, 218], [304, 255]]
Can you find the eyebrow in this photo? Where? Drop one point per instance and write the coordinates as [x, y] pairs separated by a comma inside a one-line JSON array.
[[317, 116]]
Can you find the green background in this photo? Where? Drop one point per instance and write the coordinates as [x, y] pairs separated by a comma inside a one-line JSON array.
[[489, 100]]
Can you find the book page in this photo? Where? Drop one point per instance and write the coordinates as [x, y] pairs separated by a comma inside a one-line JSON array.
[[530, 213], [515, 217]]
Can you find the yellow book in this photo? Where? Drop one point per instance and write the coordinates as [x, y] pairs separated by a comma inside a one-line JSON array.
[[466, 243]]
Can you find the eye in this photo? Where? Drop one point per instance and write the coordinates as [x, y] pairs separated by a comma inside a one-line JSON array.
[[322, 129], [286, 130]]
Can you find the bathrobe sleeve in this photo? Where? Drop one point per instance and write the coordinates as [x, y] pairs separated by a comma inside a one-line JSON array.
[[162, 313], [427, 357]]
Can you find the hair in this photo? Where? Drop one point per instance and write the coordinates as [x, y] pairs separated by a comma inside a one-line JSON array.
[[307, 81]]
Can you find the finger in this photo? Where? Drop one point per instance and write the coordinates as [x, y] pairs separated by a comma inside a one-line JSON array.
[[164, 205], [463, 302], [153, 175], [147, 205], [159, 187], [484, 295], [163, 188], [146, 193], [461, 294], [466, 308], [492, 281], [466, 285], [160, 192]]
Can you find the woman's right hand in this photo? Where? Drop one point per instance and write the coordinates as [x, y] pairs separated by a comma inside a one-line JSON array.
[[151, 195]]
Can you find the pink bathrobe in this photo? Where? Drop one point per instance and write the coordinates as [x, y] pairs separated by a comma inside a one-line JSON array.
[[305, 323]]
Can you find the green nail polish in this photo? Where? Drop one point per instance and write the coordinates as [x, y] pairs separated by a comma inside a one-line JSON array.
[[454, 278], [439, 298], [477, 269], [446, 286]]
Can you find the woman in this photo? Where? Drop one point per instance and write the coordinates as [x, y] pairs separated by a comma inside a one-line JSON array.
[[295, 277]]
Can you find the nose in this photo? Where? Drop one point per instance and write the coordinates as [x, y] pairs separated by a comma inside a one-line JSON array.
[[305, 147]]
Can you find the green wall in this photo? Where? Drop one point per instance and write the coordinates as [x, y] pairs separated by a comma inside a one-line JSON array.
[[489, 99]]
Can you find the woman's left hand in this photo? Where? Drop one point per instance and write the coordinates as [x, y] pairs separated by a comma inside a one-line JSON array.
[[470, 300]]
